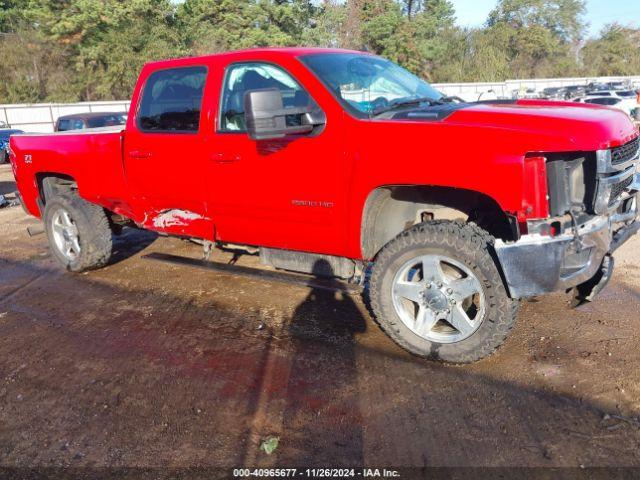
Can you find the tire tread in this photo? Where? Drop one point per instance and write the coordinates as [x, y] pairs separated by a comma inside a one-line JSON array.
[[471, 239], [96, 239]]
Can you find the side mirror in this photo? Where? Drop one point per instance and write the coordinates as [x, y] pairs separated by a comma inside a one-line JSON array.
[[265, 115]]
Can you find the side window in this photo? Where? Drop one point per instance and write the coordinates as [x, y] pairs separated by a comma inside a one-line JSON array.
[[243, 77], [96, 122], [171, 100], [602, 101], [64, 125]]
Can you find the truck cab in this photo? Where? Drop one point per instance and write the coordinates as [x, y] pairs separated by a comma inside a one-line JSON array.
[[341, 163]]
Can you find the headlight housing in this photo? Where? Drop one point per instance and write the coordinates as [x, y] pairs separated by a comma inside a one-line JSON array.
[[571, 180]]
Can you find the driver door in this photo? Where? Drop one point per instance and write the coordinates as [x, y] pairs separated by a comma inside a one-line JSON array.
[[286, 193]]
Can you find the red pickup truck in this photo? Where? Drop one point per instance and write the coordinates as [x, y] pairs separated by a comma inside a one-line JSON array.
[[341, 163]]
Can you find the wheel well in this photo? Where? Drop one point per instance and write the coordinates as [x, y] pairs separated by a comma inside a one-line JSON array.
[[390, 210], [52, 184]]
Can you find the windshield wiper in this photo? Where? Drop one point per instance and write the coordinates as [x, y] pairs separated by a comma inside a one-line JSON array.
[[450, 99], [417, 101], [404, 103]]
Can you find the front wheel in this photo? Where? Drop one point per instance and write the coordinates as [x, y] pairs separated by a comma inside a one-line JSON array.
[[78, 232], [436, 291]]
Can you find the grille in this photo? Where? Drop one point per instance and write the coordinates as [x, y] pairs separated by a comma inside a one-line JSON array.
[[618, 189], [625, 152]]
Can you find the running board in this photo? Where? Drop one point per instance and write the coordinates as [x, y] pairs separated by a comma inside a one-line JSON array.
[[269, 275]]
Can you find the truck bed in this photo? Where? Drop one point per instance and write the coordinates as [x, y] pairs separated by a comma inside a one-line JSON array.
[[91, 157]]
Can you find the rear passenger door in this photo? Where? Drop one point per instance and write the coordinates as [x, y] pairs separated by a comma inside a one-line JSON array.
[[164, 155]]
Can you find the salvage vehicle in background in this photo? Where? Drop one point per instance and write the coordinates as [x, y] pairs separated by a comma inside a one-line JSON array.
[[340, 163], [597, 86], [574, 91], [627, 105], [80, 121], [624, 94], [5, 133], [563, 93], [620, 85], [553, 93]]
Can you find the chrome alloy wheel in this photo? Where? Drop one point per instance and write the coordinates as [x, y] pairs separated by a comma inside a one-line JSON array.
[[65, 234], [438, 298]]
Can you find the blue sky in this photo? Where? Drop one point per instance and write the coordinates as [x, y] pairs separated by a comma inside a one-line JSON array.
[[599, 12]]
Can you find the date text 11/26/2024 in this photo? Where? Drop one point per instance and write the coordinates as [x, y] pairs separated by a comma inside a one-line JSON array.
[[316, 472]]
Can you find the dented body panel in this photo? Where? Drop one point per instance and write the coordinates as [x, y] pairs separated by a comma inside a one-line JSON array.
[[306, 193]]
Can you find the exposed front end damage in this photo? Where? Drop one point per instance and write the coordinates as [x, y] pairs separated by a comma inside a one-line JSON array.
[[538, 264], [595, 212]]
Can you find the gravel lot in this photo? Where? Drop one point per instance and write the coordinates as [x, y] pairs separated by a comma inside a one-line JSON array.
[[152, 365]]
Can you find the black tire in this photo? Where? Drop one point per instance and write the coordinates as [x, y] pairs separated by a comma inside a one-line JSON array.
[[94, 233], [4, 157], [467, 244]]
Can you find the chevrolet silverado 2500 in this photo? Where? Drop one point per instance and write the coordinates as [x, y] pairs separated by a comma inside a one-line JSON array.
[[343, 164]]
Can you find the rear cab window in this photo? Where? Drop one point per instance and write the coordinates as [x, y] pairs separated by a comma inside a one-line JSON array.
[[66, 124], [172, 100], [106, 121]]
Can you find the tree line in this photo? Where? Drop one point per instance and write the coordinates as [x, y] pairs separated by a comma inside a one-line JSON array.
[[80, 50]]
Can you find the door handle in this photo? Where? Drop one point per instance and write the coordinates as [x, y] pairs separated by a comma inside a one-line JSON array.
[[139, 154], [225, 157]]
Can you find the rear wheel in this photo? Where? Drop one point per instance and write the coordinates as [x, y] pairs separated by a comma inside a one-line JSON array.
[[78, 232], [436, 291]]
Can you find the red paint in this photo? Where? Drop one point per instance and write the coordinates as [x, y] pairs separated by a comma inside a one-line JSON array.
[[245, 191], [534, 189]]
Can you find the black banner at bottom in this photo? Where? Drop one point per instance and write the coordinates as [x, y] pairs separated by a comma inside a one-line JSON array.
[[435, 473]]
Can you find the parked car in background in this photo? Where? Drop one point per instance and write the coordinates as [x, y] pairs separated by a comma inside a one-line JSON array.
[[618, 85], [553, 93], [80, 121], [596, 86], [4, 143], [573, 91], [630, 100], [613, 93], [627, 105]]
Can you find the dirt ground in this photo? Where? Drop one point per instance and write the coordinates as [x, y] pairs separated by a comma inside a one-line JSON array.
[[148, 364]]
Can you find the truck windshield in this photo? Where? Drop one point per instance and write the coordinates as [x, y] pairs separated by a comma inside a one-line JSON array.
[[366, 84]]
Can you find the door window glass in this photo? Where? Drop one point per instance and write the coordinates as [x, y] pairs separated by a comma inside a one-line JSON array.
[[243, 77], [172, 99]]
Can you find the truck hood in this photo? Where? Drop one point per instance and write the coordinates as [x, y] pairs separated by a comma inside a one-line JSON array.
[[582, 127]]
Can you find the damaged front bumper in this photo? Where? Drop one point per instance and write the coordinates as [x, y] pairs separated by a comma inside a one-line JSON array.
[[538, 264]]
